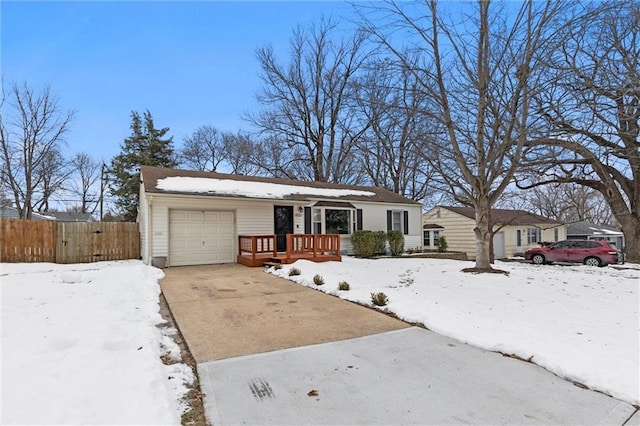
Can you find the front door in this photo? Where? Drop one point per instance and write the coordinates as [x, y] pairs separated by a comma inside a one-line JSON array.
[[282, 225]]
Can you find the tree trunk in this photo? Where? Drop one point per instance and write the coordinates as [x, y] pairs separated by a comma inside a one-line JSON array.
[[483, 235], [631, 231]]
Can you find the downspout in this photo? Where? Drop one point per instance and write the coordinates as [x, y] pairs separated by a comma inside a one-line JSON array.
[[149, 232]]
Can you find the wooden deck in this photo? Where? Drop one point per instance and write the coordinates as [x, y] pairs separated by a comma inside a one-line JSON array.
[[256, 250]]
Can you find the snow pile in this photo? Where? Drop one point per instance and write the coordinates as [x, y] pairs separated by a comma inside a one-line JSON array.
[[579, 322], [250, 189], [80, 345]]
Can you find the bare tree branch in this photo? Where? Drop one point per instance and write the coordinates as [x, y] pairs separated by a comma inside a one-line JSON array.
[[32, 129]]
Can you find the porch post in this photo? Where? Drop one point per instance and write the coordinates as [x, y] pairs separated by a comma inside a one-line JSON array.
[[289, 246], [316, 238], [273, 242], [254, 247]]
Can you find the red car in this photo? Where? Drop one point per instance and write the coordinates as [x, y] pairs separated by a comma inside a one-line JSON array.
[[589, 252]]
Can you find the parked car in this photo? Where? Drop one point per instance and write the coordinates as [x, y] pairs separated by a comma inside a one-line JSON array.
[[589, 252]]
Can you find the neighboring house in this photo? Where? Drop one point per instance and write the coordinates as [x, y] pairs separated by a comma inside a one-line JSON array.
[[71, 216], [590, 231], [515, 230], [9, 212], [191, 217]]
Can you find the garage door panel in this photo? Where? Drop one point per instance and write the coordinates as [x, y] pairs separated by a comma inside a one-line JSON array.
[[197, 237]]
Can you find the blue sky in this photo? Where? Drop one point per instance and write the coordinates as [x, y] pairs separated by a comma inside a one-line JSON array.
[[188, 63]]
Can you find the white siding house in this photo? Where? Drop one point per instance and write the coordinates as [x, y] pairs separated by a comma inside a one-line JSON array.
[[516, 231], [189, 217]]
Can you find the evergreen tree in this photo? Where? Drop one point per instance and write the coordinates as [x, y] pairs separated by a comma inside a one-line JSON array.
[[145, 147]]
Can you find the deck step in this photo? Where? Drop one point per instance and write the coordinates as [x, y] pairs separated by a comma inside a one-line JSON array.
[[269, 264]]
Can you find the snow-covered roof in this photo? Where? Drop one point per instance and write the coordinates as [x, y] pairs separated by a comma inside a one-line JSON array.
[[171, 181], [255, 190], [10, 212], [584, 228]]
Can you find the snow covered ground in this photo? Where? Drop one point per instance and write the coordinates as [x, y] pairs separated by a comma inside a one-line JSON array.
[[579, 322], [80, 345]]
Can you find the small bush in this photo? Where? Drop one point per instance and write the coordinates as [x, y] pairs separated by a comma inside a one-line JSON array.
[[396, 242], [277, 266], [381, 242], [318, 280], [379, 299], [294, 271], [442, 244], [343, 285], [364, 243]]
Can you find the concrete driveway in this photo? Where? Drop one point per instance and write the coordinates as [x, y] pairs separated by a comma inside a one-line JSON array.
[[273, 352], [231, 310]]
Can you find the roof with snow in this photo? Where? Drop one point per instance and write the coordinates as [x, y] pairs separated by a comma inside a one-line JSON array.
[[10, 212], [71, 216], [584, 229], [506, 216], [173, 181]]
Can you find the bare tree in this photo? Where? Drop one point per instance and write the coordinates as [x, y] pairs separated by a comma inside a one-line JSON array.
[[593, 111], [202, 150], [32, 129], [391, 149], [481, 73], [309, 102], [87, 173], [240, 152], [52, 173], [565, 202]]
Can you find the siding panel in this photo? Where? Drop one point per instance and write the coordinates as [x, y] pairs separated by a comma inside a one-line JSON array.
[[255, 217]]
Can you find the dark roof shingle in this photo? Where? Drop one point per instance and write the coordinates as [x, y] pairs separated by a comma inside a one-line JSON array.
[[151, 176], [506, 216]]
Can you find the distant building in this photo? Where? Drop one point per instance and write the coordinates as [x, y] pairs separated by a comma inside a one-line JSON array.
[[584, 230], [9, 212], [71, 216]]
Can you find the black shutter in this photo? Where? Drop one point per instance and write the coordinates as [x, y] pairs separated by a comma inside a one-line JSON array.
[[359, 220], [307, 220], [406, 222], [389, 219]]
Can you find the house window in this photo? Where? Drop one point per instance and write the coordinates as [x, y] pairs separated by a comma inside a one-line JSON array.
[[533, 235], [317, 221], [337, 221], [396, 223], [427, 241], [331, 221]]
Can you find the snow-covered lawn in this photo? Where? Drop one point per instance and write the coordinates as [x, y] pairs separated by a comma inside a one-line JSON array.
[[80, 345], [579, 322]]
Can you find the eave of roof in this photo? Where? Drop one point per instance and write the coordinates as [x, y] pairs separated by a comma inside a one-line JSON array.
[[432, 226]]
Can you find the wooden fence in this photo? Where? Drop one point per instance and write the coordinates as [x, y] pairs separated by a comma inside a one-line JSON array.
[[67, 242]]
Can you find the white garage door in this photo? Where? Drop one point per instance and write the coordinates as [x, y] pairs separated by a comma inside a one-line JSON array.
[[200, 238]]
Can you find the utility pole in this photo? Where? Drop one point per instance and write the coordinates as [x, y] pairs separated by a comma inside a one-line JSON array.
[[102, 192]]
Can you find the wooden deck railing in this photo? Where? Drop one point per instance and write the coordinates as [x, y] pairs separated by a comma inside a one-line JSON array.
[[252, 245], [254, 250], [313, 244]]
